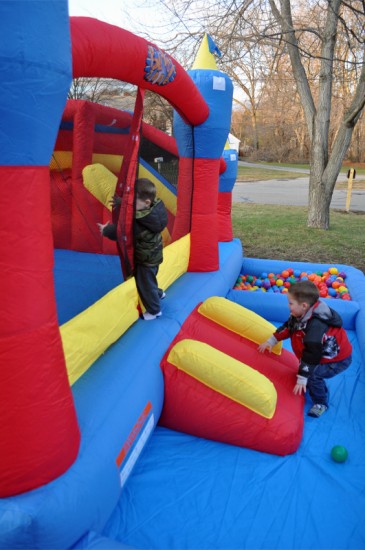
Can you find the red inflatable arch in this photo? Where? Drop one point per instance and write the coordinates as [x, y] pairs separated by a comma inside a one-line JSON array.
[[102, 50]]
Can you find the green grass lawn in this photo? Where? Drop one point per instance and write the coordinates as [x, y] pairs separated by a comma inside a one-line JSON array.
[[360, 170], [246, 173], [268, 231], [266, 172]]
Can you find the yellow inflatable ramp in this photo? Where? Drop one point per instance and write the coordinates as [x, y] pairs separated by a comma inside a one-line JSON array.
[[225, 375], [239, 319]]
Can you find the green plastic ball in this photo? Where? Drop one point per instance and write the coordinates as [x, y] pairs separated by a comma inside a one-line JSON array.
[[339, 453]]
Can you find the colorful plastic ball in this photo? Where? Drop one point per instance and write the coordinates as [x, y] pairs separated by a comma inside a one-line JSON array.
[[339, 453], [330, 283]]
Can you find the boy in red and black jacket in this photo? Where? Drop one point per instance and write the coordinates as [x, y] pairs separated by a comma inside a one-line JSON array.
[[318, 340]]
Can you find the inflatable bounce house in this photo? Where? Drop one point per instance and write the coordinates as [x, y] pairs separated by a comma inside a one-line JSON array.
[[176, 433]]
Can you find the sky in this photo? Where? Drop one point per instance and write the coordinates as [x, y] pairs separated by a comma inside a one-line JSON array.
[[132, 15], [127, 14]]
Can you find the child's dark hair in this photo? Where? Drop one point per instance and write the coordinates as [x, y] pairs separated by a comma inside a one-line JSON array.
[[304, 291], [145, 189]]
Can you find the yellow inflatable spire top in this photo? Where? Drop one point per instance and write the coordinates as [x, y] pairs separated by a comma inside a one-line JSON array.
[[205, 58]]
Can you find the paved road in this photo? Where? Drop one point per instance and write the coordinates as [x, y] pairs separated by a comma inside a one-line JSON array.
[[288, 192]]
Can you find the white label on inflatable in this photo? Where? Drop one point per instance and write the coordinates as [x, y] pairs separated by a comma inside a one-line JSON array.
[[219, 83], [126, 470], [232, 156]]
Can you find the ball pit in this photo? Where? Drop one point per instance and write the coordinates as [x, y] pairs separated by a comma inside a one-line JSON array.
[[330, 283]]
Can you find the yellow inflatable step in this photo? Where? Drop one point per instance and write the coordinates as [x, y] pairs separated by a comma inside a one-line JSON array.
[[239, 320], [225, 375]]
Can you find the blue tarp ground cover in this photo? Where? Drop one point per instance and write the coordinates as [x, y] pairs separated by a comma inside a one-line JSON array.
[[192, 493]]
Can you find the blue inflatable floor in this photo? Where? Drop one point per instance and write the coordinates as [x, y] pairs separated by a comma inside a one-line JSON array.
[[191, 493], [81, 279]]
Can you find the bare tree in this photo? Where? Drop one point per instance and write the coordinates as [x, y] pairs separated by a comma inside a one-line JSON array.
[[309, 33], [246, 74], [158, 112], [325, 164], [106, 91]]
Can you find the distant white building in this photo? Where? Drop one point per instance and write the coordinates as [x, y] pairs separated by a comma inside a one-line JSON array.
[[234, 142]]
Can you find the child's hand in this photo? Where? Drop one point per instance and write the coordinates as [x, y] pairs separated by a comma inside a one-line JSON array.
[[101, 226], [265, 345], [115, 201], [299, 389]]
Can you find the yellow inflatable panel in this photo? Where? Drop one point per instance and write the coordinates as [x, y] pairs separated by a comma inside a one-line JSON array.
[[240, 320], [61, 160], [225, 375], [111, 162], [175, 262], [89, 334], [204, 59], [100, 182]]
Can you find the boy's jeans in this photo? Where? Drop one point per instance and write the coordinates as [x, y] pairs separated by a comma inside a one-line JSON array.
[[317, 386]]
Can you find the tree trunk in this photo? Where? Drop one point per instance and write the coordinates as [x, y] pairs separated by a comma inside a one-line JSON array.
[[255, 131], [318, 202]]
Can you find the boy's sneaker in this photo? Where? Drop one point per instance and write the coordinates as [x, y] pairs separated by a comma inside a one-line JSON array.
[[317, 410], [150, 317]]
